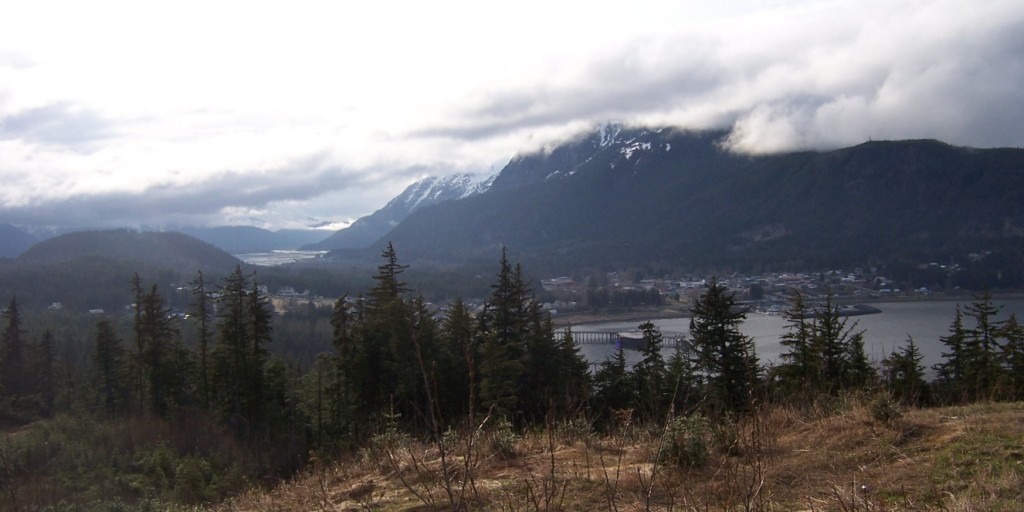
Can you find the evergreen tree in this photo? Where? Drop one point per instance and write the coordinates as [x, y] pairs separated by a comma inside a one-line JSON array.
[[613, 385], [950, 372], [499, 376], [573, 373], [982, 369], [801, 364], [388, 330], [722, 353], [161, 356], [366, 373], [1013, 356], [200, 310], [650, 375], [389, 287], [136, 366], [343, 390], [432, 363], [684, 380], [833, 337], [860, 373], [259, 318], [239, 358], [543, 380], [502, 325], [460, 332], [905, 374], [109, 369]]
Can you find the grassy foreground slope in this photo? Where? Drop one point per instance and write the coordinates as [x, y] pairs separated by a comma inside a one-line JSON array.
[[844, 456]]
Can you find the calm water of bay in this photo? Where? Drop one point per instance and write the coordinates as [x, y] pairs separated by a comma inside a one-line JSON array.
[[884, 332]]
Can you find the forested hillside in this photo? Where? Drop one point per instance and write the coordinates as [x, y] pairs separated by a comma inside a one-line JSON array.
[[89, 269], [156, 410]]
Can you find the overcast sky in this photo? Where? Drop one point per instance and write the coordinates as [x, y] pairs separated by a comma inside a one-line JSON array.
[[294, 114]]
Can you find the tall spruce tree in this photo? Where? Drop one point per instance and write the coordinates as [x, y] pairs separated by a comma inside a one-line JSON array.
[[542, 385], [684, 380], [1013, 356], [650, 375], [613, 386], [982, 369], [722, 353], [162, 357], [502, 325], [136, 366], [388, 324], [109, 369], [800, 370], [459, 330], [239, 357], [201, 312], [905, 374], [574, 377], [833, 338], [951, 370], [343, 390], [433, 363], [860, 373]]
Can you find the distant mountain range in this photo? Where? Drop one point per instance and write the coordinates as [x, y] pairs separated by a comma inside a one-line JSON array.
[[655, 199], [244, 239], [660, 198], [428, 191]]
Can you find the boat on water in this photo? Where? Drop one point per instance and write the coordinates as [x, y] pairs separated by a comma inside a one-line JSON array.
[[852, 310], [632, 340], [847, 310]]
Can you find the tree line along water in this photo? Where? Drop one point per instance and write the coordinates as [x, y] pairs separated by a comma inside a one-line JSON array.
[[924, 320]]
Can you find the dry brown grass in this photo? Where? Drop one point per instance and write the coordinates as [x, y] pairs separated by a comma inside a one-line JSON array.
[[956, 459]]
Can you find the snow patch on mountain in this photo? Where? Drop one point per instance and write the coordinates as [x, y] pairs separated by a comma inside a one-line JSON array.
[[634, 147], [436, 189]]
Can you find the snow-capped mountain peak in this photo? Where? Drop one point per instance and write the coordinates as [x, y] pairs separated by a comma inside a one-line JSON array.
[[425, 192]]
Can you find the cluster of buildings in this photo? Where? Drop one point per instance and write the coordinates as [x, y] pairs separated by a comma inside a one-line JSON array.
[[769, 292]]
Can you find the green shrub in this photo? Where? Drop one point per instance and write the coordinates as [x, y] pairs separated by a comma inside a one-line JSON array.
[[687, 440], [503, 439], [885, 410]]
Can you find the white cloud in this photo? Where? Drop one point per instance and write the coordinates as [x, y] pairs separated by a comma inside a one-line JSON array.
[[327, 109]]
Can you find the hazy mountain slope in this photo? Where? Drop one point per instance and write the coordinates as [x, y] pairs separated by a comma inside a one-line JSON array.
[[157, 249], [93, 269], [242, 239], [14, 241], [660, 197], [428, 191]]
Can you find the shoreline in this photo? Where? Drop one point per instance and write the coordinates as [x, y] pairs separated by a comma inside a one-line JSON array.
[[683, 311], [575, 319]]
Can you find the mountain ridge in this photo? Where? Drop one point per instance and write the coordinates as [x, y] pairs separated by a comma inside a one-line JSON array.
[[245, 239], [621, 197], [425, 192], [169, 249]]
